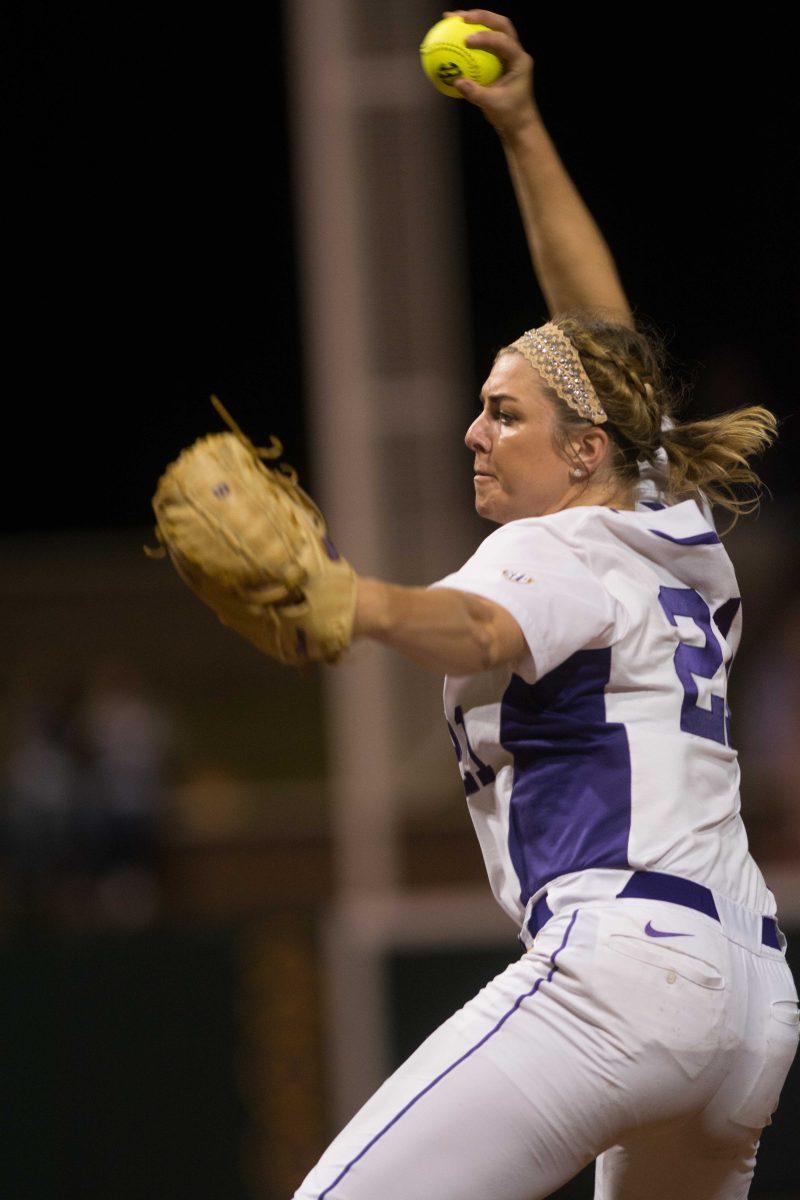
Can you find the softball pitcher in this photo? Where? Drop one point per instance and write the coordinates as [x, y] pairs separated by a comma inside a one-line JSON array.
[[651, 1020]]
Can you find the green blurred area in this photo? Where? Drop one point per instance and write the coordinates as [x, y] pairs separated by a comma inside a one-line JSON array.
[[181, 1064], [117, 1074]]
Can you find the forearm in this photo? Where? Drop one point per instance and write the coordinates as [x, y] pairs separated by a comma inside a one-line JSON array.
[[571, 259], [450, 632]]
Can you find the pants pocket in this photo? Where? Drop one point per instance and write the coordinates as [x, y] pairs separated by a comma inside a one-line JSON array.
[[668, 958], [786, 1012], [669, 1003], [779, 1045]]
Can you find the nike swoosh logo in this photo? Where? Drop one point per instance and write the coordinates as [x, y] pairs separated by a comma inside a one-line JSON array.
[[666, 933]]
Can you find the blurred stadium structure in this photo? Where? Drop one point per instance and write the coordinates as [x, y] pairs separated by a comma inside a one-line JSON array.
[[222, 881]]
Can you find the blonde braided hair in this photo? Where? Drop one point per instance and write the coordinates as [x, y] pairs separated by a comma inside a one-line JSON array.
[[627, 370]]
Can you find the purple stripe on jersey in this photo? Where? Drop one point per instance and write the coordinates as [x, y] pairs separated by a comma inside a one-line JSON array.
[[540, 915], [525, 996], [723, 616], [652, 504], [698, 539], [570, 804]]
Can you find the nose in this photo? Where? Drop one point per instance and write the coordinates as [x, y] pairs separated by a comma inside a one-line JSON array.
[[477, 436]]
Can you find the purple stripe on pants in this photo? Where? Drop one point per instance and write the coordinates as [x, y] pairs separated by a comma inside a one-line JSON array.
[[447, 1070]]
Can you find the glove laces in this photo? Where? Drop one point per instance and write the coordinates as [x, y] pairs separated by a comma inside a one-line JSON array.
[[273, 450], [261, 454]]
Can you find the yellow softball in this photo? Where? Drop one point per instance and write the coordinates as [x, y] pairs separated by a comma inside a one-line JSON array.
[[445, 57]]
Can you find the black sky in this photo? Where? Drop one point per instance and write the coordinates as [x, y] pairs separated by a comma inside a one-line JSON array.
[[151, 242]]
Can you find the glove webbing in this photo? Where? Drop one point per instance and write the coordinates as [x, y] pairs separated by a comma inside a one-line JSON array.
[[283, 474]]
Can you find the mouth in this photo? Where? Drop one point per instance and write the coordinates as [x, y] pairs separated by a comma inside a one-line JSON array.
[[483, 475]]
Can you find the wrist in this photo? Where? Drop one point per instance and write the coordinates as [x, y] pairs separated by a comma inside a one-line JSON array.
[[525, 129], [371, 616]]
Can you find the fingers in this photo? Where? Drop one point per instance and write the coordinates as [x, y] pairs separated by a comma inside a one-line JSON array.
[[469, 90], [475, 93], [503, 45], [482, 16]]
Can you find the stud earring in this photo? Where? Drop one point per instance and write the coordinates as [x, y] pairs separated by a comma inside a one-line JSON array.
[[578, 472]]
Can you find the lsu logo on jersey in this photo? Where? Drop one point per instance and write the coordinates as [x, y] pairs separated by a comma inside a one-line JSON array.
[[517, 576]]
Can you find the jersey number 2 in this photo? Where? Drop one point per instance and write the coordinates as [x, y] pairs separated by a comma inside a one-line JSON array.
[[702, 661]]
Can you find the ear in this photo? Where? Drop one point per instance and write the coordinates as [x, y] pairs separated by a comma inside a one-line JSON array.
[[592, 446]]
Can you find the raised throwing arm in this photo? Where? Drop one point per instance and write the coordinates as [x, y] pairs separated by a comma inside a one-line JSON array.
[[570, 257]]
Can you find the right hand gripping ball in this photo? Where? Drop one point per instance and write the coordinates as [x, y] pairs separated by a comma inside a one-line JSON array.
[[445, 57]]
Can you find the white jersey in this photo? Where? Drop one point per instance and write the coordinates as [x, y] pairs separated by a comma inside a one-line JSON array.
[[606, 748]]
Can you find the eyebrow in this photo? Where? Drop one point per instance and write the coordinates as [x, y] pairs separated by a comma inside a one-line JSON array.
[[497, 397]]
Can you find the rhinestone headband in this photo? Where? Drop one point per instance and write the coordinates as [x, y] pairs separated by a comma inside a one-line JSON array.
[[553, 355]]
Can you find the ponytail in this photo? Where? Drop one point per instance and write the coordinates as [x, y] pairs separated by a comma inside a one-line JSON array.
[[712, 456]]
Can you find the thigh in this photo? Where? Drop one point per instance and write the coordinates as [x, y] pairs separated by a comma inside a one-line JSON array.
[[500, 1103]]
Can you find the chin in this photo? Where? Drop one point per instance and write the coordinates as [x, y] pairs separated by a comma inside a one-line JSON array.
[[489, 512]]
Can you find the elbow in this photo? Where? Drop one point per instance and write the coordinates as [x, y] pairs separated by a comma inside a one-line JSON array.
[[497, 637], [489, 646], [486, 647]]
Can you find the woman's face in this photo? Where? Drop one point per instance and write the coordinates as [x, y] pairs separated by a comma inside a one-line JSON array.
[[519, 471]]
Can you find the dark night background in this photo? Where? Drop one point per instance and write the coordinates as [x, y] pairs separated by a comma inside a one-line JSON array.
[[152, 245]]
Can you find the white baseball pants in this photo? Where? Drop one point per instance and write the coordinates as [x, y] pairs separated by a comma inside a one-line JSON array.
[[660, 1054]]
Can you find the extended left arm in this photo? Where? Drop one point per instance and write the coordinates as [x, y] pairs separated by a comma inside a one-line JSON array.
[[447, 631]]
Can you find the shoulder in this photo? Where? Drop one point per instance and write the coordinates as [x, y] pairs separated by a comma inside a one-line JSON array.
[[549, 554], [570, 535], [681, 524], [530, 543], [553, 529], [594, 540]]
